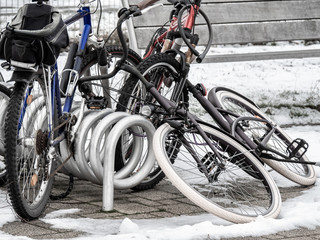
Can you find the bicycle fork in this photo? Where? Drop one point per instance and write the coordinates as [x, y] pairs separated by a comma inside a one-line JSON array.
[[213, 162]]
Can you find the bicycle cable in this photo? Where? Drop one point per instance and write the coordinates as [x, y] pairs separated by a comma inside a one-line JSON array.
[[100, 16]]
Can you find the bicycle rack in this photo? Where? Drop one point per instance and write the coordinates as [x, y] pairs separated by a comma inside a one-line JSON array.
[[95, 148]]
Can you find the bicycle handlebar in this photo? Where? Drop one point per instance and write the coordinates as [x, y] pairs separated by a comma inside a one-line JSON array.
[[124, 14]]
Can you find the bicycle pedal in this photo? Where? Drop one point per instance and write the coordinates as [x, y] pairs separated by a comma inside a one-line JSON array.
[[96, 103], [300, 148]]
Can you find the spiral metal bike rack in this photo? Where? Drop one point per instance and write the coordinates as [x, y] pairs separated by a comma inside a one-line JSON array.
[[96, 137]]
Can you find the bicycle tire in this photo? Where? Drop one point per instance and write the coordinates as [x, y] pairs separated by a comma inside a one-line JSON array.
[[227, 99], [228, 192], [4, 100], [27, 164], [134, 94]]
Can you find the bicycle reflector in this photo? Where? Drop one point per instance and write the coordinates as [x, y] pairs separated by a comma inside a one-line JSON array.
[[297, 148]]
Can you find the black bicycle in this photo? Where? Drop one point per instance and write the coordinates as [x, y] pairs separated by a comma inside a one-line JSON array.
[[232, 112], [213, 169]]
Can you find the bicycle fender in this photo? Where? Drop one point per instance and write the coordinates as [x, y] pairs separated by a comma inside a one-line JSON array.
[[211, 95]]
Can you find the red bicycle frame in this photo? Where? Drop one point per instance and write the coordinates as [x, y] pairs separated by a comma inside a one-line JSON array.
[[188, 22]]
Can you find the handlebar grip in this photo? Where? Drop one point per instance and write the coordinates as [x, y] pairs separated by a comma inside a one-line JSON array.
[[199, 59]]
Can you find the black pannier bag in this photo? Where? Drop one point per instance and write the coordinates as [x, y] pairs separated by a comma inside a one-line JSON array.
[[35, 36]]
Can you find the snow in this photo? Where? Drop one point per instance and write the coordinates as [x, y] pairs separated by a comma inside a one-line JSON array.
[[266, 82]]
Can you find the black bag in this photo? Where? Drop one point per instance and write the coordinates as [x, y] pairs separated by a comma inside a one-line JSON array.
[[35, 36]]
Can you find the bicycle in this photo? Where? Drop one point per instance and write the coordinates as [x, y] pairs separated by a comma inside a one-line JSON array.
[[269, 141], [38, 121], [234, 184]]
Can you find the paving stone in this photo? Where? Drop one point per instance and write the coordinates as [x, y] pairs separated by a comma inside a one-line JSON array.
[[40, 223], [140, 216], [168, 202], [244, 238], [274, 237], [89, 197], [62, 235], [184, 200], [156, 195], [182, 209], [163, 214], [146, 202], [302, 232], [103, 215], [169, 188], [133, 208], [301, 238], [26, 229]]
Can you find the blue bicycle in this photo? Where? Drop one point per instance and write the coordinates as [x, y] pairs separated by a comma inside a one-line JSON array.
[[39, 116]]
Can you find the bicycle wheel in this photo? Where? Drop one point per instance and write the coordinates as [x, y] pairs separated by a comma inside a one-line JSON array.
[[106, 88], [4, 100], [302, 174], [27, 149], [225, 190], [162, 70]]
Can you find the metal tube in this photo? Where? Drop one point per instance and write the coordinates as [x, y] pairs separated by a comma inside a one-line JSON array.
[[109, 182]]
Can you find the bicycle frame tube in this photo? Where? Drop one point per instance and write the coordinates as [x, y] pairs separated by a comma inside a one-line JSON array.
[[217, 116], [87, 30], [56, 88], [190, 21]]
